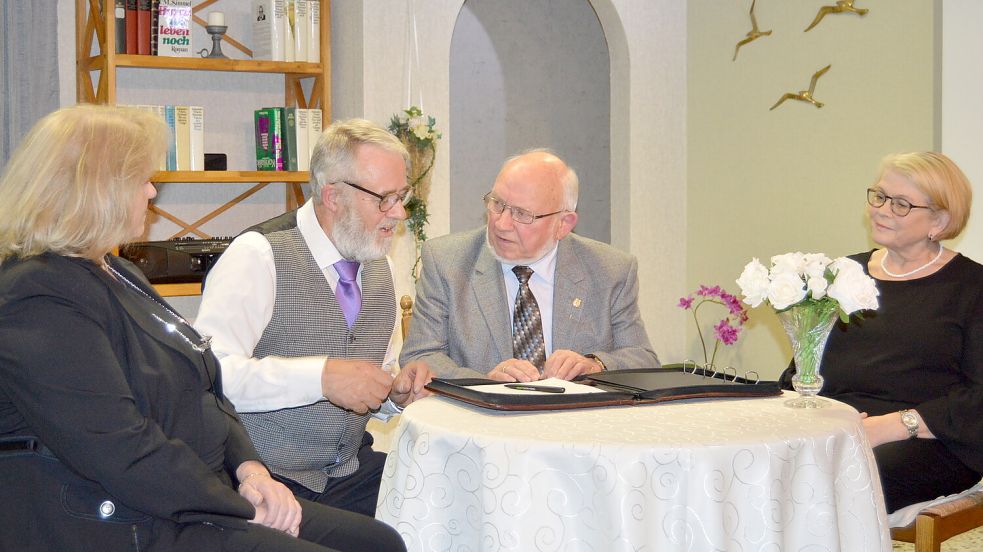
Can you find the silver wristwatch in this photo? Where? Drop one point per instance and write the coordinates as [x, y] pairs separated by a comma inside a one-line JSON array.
[[910, 422]]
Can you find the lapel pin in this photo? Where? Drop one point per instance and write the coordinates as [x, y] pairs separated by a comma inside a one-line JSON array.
[[577, 302]]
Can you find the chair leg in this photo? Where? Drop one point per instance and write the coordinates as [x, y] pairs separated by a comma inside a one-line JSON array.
[[926, 535]]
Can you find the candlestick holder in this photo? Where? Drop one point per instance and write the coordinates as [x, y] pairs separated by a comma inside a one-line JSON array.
[[217, 32]]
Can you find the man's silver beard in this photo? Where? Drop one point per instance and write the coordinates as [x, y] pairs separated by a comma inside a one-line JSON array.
[[355, 242]]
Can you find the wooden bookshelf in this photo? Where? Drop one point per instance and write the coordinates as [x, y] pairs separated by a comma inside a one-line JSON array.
[[97, 66]]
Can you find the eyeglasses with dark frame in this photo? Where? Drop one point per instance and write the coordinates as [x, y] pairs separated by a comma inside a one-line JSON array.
[[520, 215], [900, 207], [387, 201]]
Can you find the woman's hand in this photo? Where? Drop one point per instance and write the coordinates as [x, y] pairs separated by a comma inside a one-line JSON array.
[[276, 507], [888, 428]]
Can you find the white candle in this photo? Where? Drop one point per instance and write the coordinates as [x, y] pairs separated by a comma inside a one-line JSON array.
[[216, 19]]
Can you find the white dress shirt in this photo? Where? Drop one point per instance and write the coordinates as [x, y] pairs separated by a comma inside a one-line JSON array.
[[541, 286], [236, 307]]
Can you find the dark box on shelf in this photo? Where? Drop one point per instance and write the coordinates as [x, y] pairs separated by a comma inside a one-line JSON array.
[[216, 162]]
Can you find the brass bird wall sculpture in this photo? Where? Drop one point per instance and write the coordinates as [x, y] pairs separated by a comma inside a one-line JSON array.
[[805, 95], [842, 6], [753, 34]]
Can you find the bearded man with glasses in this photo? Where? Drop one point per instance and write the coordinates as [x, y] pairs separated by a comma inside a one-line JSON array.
[[523, 298], [302, 313]]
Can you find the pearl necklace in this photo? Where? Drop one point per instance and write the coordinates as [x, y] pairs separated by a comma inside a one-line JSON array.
[[205, 341], [909, 273]]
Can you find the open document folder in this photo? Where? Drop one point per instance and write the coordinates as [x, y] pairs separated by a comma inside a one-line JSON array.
[[613, 387]]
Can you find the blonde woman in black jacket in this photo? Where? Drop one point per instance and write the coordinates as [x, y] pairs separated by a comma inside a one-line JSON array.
[[114, 433]]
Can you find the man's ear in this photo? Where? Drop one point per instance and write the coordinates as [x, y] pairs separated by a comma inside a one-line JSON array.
[[567, 221], [329, 198]]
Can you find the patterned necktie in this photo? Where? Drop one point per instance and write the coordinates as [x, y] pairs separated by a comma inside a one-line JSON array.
[[527, 325], [348, 295]]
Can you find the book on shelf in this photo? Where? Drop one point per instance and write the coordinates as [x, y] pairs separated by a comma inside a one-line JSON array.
[[303, 139], [154, 26], [161, 112], [314, 31], [186, 136], [196, 141], [302, 29], [171, 138], [289, 30], [174, 28], [143, 27], [315, 130], [131, 27], [269, 139], [120, 14], [182, 136], [269, 29], [289, 138]]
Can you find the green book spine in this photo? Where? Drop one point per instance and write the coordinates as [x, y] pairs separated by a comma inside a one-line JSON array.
[[265, 155], [290, 138]]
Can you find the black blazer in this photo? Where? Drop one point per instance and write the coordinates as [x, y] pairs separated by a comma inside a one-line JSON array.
[[119, 406]]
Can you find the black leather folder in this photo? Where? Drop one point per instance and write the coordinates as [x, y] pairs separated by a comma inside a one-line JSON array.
[[620, 387]]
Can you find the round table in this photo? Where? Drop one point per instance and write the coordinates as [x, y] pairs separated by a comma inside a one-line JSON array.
[[734, 475]]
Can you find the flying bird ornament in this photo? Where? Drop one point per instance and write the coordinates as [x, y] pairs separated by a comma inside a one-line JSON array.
[[804, 95], [753, 34], [842, 6]]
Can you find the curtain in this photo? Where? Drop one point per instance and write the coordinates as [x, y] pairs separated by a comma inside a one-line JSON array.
[[28, 68]]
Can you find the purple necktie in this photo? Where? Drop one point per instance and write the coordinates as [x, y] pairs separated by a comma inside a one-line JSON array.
[[348, 295]]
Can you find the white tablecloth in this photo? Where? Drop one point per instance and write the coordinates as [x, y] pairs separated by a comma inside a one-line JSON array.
[[734, 475]]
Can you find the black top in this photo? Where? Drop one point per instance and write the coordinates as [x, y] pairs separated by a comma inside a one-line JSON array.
[[104, 376], [922, 349]]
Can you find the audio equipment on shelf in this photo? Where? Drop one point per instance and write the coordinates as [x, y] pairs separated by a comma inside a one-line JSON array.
[[181, 260]]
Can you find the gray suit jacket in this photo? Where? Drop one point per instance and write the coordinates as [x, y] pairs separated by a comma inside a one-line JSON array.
[[461, 324]]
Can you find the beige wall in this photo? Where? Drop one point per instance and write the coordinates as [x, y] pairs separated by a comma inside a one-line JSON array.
[[766, 182]]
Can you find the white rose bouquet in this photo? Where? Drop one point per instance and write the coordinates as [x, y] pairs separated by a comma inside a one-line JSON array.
[[809, 277], [808, 291]]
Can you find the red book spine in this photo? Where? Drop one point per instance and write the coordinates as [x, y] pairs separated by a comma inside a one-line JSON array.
[[131, 26], [143, 27]]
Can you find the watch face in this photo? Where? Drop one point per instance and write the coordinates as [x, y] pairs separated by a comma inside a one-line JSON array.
[[910, 421]]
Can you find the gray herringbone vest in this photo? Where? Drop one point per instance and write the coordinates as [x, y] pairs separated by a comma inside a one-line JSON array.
[[310, 443]]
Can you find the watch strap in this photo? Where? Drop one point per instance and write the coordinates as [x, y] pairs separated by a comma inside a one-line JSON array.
[[595, 358]]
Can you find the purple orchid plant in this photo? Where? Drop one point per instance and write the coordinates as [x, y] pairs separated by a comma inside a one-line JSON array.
[[728, 329]]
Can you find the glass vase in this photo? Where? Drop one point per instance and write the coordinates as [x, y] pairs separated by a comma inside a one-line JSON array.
[[808, 325]]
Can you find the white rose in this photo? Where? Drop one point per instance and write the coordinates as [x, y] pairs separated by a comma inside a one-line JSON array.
[[421, 131], [754, 283], [814, 264], [793, 263], [785, 290], [851, 288], [844, 264], [817, 286]]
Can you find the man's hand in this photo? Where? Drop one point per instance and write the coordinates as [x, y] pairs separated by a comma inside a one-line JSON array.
[[408, 384], [276, 507], [355, 385], [566, 365], [514, 369]]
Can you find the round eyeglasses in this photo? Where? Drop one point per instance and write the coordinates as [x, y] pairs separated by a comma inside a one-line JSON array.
[[387, 201], [900, 207], [520, 215]]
